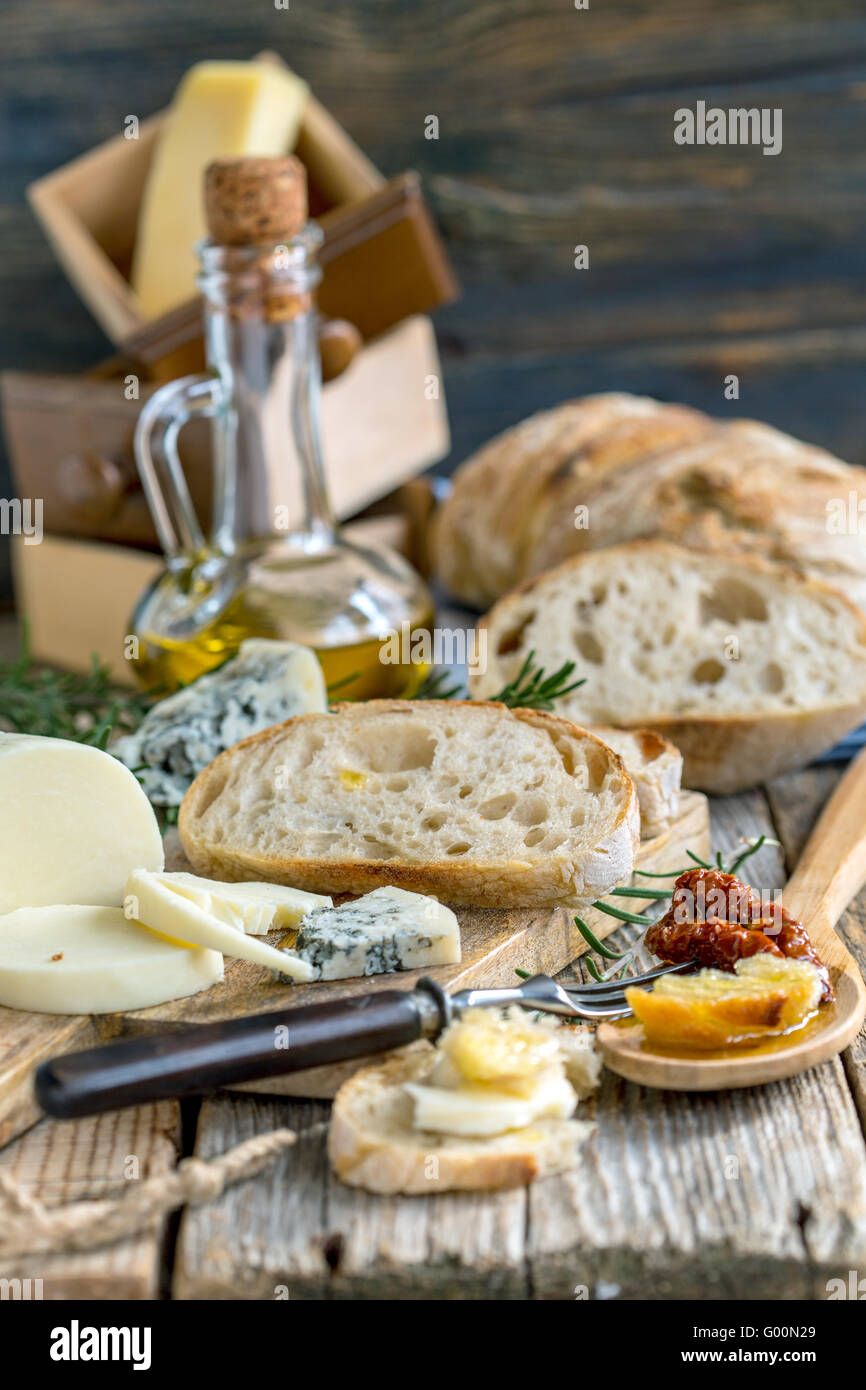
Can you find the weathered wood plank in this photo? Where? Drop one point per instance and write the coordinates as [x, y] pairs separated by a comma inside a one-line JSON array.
[[796, 802], [70, 1162], [749, 1194], [27, 1039]]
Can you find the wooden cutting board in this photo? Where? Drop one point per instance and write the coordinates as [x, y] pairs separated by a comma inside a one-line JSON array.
[[494, 942]]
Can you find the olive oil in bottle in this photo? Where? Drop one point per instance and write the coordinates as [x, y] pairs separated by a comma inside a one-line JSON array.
[[275, 564]]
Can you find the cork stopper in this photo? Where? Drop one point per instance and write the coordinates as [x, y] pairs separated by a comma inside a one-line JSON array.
[[254, 200]]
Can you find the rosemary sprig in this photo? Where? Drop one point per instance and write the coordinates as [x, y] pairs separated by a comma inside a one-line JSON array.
[[338, 685], [593, 942], [435, 687], [532, 688], [640, 893], [747, 853], [85, 707]]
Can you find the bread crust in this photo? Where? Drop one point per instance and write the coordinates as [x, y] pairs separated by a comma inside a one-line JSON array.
[[727, 751], [483, 531], [644, 469], [506, 883]]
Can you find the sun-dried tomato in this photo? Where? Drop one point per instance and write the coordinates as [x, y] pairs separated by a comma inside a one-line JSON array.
[[716, 920]]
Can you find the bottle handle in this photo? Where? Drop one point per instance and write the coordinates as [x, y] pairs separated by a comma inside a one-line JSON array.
[[162, 476]]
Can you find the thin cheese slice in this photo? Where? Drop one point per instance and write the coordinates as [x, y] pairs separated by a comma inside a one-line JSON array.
[[255, 908], [149, 901], [479, 1111], [73, 823], [71, 959], [220, 109]]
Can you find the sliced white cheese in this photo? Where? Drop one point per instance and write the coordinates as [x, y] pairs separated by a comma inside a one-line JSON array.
[[70, 959], [73, 823], [388, 929], [255, 908], [149, 901], [478, 1111], [267, 682]]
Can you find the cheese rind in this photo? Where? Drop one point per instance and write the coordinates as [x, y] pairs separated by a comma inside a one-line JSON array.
[[267, 682], [74, 959], [149, 902], [388, 929], [73, 823], [220, 109], [255, 908]]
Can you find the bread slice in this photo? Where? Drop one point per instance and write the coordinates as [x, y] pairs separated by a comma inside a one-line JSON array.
[[747, 667], [656, 768], [474, 803], [372, 1142]]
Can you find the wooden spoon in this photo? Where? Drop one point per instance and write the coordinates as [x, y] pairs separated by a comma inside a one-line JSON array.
[[831, 871]]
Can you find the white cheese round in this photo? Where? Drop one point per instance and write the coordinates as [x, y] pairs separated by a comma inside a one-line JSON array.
[[91, 960], [73, 823]]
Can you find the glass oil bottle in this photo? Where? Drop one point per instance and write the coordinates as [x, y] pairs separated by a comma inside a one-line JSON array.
[[275, 563]]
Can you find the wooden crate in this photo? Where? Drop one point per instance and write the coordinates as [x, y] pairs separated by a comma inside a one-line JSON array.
[[89, 212]]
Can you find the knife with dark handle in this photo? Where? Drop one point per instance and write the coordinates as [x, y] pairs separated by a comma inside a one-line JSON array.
[[191, 1062]]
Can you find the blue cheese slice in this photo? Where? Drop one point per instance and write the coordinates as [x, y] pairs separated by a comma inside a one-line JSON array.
[[264, 684], [388, 929]]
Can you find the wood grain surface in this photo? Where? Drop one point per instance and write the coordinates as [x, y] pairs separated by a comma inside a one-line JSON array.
[[749, 1194], [96, 1158], [555, 129], [494, 945]]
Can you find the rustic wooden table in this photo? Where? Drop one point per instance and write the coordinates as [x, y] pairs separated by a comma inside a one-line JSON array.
[[750, 1194]]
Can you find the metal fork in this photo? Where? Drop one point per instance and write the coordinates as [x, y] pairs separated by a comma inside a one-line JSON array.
[[205, 1056], [595, 1003]]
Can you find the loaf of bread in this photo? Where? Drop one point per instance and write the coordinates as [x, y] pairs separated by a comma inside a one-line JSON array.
[[475, 803], [615, 468], [482, 532], [747, 667]]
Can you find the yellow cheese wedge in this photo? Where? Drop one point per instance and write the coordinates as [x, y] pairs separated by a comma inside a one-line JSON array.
[[73, 823], [149, 901], [71, 959], [256, 908], [220, 109]]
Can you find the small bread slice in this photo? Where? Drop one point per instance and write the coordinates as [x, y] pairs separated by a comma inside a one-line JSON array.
[[474, 803], [656, 768], [372, 1142], [749, 668]]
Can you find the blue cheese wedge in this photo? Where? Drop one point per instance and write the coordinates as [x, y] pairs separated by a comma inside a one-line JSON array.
[[264, 684], [386, 930], [254, 908]]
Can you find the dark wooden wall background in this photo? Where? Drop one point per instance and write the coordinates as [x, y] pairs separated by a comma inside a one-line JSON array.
[[556, 128]]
